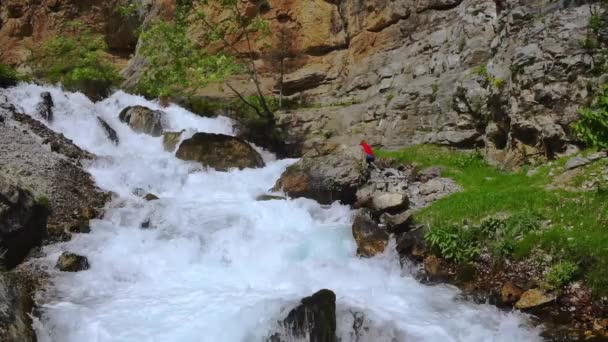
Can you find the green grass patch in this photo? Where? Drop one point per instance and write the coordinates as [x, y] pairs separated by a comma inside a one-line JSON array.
[[511, 214]]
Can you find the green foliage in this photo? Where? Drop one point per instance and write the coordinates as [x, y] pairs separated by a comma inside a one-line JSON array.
[[387, 99], [127, 9], [435, 90], [482, 70], [8, 76], [592, 126], [44, 202], [75, 60], [561, 274], [177, 65], [453, 242], [567, 225], [498, 83]]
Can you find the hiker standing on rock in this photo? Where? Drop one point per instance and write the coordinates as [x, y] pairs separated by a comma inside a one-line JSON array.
[[369, 153]]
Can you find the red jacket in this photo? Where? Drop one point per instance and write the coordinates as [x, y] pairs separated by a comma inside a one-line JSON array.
[[368, 150]]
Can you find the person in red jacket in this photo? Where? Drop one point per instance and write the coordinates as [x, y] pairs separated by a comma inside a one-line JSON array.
[[369, 153]]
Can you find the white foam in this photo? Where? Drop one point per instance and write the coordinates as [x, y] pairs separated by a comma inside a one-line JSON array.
[[218, 265]]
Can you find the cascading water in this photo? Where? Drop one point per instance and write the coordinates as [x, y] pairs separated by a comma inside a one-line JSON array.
[[217, 265]]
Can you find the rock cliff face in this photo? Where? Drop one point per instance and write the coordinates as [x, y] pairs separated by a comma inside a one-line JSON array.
[[509, 75]]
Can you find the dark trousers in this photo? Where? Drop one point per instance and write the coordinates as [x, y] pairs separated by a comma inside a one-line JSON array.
[[370, 159]]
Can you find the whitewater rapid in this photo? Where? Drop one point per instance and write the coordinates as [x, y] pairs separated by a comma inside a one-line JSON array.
[[217, 265]]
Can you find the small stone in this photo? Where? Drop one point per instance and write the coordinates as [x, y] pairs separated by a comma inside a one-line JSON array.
[[70, 262], [597, 155], [150, 197], [533, 298], [429, 173], [575, 162], [431, 187], [145, 224]]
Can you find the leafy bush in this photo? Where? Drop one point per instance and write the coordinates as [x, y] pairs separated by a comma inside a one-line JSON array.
[[8, 76], [453, 242], [561, 274], [592, 126], [176, 64], [482, 70], [78, 61]]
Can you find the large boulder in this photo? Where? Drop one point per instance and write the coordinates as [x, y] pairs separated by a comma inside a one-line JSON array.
[[16, 305], [314, 319], [23, 222], [370, 237], [143, 120], [219, 151], [334, 176]]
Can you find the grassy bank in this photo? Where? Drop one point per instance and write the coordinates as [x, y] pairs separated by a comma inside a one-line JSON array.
[[513, 215]]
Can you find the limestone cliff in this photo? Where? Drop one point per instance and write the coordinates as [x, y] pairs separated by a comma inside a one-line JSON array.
[[506, 74]]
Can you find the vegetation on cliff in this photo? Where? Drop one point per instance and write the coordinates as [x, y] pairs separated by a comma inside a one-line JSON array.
[[8, 76], [515, 215], [78, 60]]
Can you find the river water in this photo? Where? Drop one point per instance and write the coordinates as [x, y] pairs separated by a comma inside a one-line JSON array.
[[217, 265]]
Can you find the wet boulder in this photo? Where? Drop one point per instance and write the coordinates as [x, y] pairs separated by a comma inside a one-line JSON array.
[[171, 140], [267, 197], [150, 197], [534, 298], [23, 222], [325, 177], [70, 262], [45, 106], [16, 305], [219, 151], [370, 237], [314, 319], [143, 120], [412, 245], [398, 223], [110, 132]]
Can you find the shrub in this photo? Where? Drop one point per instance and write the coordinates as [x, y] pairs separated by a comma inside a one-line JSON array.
[[78, 61], [561, 274], [8, 76], [592, 126], [177, 64], [482, 70], [453, 242]]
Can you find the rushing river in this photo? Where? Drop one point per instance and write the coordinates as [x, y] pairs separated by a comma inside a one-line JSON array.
[[216, 265]]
